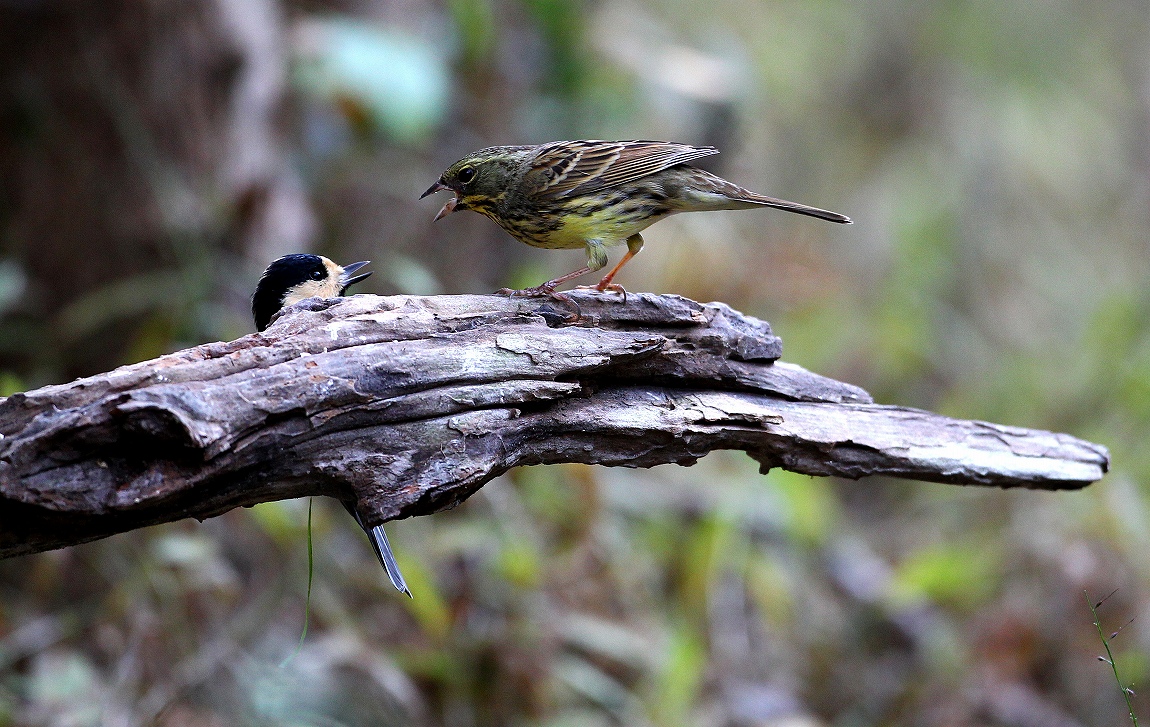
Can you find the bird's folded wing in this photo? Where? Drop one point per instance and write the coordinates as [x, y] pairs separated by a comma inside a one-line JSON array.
[[567, 168]]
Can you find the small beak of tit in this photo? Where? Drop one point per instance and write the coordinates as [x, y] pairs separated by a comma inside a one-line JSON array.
[[451, 203], [346, 280]]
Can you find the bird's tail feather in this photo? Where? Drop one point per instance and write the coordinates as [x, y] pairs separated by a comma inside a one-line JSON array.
[[707, 191], [387, 559], [801, 209], [382, 548]]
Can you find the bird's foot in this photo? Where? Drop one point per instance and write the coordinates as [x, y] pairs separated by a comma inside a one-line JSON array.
[[539, 291], [604, 288], [547, 290]]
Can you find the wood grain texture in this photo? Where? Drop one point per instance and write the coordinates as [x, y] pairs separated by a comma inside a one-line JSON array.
[[406, 405]]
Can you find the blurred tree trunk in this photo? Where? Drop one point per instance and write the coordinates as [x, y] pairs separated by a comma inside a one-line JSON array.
[[139, 143]]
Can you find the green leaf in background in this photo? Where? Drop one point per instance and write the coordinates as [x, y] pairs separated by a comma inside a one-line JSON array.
[[962, 576], [810, 504], [678, 683], [399, 83], [770, 587], [286, 520], [1133, 664], [10, 383], [906, 322], [428, 606], [706, 550], [475, 23], [561, 22], [520, 564], [561, 496]]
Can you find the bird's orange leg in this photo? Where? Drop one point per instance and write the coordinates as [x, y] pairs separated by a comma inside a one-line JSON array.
[[634, 245], [605, 283]]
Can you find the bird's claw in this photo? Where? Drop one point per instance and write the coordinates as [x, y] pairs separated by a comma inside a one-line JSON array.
[[547, 291], [538, 291], [609, 287]]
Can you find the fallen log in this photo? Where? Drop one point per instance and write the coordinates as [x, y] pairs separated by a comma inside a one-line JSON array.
[[406, 405]]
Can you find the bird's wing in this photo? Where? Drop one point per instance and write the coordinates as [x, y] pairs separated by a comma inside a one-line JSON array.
[[567, 168]]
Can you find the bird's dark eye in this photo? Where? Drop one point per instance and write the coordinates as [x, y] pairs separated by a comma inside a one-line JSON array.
[[318, 274], [466, 175]]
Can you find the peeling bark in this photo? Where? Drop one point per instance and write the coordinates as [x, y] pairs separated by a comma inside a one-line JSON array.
[[406, 405]]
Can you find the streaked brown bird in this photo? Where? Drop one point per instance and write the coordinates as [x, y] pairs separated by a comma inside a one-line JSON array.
[[593, 194]]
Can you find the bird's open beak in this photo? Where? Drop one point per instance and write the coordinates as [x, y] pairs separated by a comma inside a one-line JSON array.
[[437, 187], [346, 280], [449, 207]]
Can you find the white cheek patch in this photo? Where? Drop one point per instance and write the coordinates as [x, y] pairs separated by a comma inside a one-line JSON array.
[[333, 271], [328, 288]]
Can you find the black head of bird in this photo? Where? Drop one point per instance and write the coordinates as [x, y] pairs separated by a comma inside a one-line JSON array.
[[292, 278]]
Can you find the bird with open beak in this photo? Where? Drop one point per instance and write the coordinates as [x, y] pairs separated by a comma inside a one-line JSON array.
[[293, 278], [448, 206], [593, 195]]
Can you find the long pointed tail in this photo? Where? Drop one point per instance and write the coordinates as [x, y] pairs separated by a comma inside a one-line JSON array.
[[387, 559], [801, 209], [707, 191], [382, 548]]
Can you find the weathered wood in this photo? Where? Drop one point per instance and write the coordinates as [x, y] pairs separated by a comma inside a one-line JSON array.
[[406, 405]]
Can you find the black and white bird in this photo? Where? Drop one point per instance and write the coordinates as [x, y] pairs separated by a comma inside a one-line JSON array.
[[293, 278]]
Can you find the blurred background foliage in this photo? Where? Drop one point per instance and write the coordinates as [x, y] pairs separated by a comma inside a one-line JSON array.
[[155, 155]]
